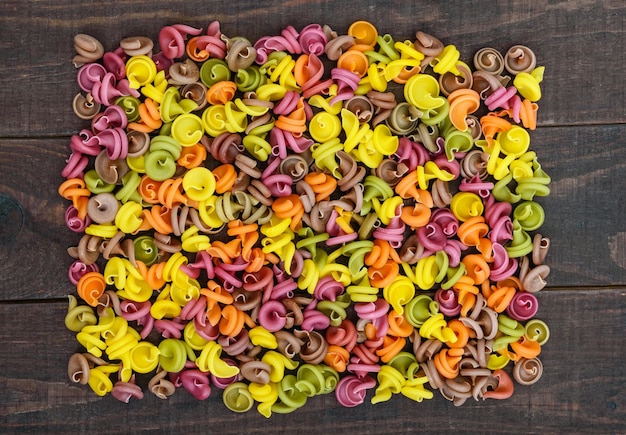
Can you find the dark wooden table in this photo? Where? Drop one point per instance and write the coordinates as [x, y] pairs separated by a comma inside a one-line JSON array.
[[581, 141]]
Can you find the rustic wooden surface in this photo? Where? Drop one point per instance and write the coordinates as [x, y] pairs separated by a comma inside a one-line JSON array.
[[581, 142]]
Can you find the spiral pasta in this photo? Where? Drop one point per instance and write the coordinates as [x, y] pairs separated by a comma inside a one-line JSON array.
[[287, 230]]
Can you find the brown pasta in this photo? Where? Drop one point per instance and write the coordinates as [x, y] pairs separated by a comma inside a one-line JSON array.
[[225, 147], [109, 299], [195, 92], [184, 73], [160, 386], [429, 46], [138, 143], [474, 163], [361, 106], [256, 371], [295, 166], [294, 315], [88, 49], [240, 54], [411, 250], [288, 344], [450, 82], [236, 345], [485, 83], [110, 171], [78, 369], [314, 347], [456, 390], [102, 208], [391, 172], [527, 371], [383, 103], [166, 244], [337, 46], [247, 165], [489, 60], [424, 349], [117, 246], [85, 107], [535, 279], [519, 58], [403, 119], [87, 250], [137, 46], [351, 173], [541, 246], [426, 135], [441, 194]]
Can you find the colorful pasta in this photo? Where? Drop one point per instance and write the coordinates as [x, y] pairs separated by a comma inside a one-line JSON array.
[[257, 222]]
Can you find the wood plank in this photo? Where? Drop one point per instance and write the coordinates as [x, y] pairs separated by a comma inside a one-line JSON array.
[[584, 215], [585, 221], [582, 390], [34, 238], [582, 56]]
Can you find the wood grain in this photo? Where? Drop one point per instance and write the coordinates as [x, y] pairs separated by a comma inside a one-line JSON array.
[[580, 142], [582, 389], [582, 84]]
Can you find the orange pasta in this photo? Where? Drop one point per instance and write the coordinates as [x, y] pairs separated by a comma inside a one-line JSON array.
[[447, 362], [416, 216], [90, 287], [148, 189], [301, 72], [354, 60], [486, 249], [462, 103], [398, 325], [258, 258], [153, 276], [295, 122], [476, 268], [525, 348], [337, 358], [467, 292], [391, 347], [232, 321], [170, 193], [158, 217], [247, 234], [149, 117], [322, 184], [192, 157], [73, 189], [528, 114], [406, 73], [407, 188], [473, 230], [379, 255], [194, 52], [462, 333], [225, 178], [492, 125], [221, 92], [289, 207], [511, 281], [383, 276], [215, 294], [499, 298], [226, 252]]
